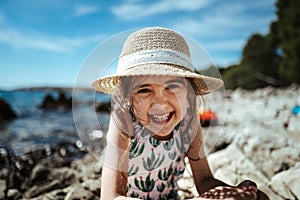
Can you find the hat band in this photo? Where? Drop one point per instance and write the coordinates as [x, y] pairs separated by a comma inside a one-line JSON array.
[[154, 56]]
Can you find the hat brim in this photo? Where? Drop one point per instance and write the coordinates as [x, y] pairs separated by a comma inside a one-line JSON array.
[[202, 84]]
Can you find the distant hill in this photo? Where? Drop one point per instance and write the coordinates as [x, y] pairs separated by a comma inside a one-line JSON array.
[[50, 88]]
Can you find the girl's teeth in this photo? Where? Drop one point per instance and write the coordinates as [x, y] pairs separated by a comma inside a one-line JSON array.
[[161, 118]]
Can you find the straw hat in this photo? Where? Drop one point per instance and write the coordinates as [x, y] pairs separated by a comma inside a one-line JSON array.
[[156, 51]]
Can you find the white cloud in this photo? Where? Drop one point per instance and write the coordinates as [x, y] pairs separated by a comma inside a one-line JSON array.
[[33, 40], [229, 45], [225, 28], [223, 25], [132, 10], [81, 10], [20, 40]]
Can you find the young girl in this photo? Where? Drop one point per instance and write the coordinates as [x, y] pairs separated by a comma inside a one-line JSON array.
[[154, 123]]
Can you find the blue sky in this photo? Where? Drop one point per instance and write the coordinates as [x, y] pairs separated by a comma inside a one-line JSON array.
[[45, 43]]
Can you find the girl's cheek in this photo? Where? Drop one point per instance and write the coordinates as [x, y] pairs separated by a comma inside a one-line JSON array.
[[140, 108], [140, 105]]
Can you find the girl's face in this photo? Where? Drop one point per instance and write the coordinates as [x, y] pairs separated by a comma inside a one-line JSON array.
[[159, 103]]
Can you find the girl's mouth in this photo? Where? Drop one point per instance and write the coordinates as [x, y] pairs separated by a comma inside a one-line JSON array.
[[161, 119]]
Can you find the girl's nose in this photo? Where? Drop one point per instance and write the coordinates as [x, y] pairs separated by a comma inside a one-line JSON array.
[[159, 96]]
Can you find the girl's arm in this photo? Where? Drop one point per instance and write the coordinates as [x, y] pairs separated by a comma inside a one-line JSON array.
[[202, 174], [203, 177], [115, 166]]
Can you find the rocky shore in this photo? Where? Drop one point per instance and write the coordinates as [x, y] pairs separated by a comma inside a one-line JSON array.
[[261, 137], [63, 171], [259, 141]]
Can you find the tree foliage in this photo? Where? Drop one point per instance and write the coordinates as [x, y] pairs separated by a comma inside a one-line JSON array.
[[288, 34], [272, 59]]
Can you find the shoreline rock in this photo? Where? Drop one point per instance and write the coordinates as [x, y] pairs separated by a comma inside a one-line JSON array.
[[61, 103], [39, 172], [6, 112]]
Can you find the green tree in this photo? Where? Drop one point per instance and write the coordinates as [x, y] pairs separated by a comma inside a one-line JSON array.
[[258, 67], [231, 76], [273, 59], [259, 63], [287, 30]]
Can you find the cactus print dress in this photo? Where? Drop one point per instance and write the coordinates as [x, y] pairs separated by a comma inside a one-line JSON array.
[[155, 165]]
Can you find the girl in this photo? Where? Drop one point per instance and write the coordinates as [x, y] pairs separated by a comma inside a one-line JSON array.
[[154, 124]]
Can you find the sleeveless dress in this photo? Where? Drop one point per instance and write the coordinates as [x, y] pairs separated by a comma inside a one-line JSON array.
[[155, 165]]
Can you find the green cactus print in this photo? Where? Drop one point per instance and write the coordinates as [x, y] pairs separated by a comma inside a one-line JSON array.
[[165, 174], [147, 197], [133, 170], [152, 162], [178, 172], [144, 132], [146, 185], [136, 149], [163, 197], [180, 146], [172, 195], [183, 143], [171, 183], [185, 138], [155, 165], [154, 142], [172, 155], [161, 187], [168, 144], [134, 195]]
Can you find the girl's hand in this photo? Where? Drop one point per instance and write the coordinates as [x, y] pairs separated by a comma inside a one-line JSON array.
[[229, 193], [248, 185]]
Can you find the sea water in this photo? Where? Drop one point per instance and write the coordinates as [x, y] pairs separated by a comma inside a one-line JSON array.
[[36, 127]]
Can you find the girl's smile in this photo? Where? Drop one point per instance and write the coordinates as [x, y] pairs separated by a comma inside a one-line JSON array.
[[161, 118], [159, 102]]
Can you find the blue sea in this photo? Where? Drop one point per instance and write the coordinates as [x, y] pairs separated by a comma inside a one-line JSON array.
[[36, 127]]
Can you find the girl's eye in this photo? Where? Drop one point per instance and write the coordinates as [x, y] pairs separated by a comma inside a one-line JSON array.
[[172, 86], [143, 91]]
